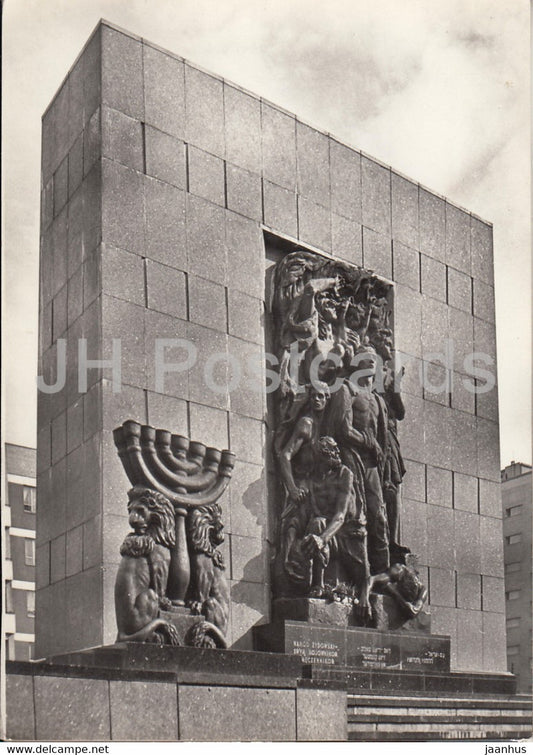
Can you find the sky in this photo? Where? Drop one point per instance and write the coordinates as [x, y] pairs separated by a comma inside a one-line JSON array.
[[439, 89]]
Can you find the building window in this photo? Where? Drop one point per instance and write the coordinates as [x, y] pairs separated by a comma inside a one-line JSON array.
[[512, 539], [29, 552], [28, 499], [513, 650], [30, 651], [513, 510], [512, 567], [30, 603], [513, 623], [9, 598], [512, 595], [7, 541]]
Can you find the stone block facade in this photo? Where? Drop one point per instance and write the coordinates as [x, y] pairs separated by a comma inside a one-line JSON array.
[[159, 183]]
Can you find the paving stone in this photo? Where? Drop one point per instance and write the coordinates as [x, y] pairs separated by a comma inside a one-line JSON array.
[[405, 211], [122, 139], [280, 209], [206, 176], [312, 157], [376, 193], [165, 157], [244, 192], [242, 123], [122, 73], [204, 111], [164, 91], [279, 146]]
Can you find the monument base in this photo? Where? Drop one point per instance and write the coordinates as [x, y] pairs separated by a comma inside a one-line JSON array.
[[354, 647]]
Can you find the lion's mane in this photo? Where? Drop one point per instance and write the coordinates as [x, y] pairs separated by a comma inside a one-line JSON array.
[[202, 522], [162, 528]]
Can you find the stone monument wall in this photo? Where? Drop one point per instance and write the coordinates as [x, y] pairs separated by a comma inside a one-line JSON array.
[[163, 189]]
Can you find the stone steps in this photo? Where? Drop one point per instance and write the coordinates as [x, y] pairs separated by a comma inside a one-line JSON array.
[[383, 718]]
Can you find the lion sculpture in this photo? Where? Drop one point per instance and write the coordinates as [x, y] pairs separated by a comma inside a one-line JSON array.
[[143, 571], [208, 590]]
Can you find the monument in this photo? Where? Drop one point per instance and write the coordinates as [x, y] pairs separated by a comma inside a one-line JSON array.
[[216, 274]]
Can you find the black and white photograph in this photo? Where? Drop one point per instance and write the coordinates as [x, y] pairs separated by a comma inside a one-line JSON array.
[[266, 388]]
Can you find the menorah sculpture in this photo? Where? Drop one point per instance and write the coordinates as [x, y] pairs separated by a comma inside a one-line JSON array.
[[173, 512]]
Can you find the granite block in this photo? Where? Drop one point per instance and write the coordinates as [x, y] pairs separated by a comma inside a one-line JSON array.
[[246, 438], [92, 142], [433, 276], [280, 210], [314, 224], [404, 210], [406, 265], [469, 591], [165, 224], [124, 322], [436, 382], [244, 192], [75, 296], [494, 655], [469, 639], [173, 353], [91, 66], [209, 425], [247, 390], [409, 431], [438, 433], [59, 437], [441, 587], [312, 157], [482, 251], [204, 111], [42, 564], [245, 316], [490, 501], [377, 253], [461, 327], [61, 186], [123, 209], [91, 214], [50, 602], [493, 590], [414, 482], [441, 550], [168, 411], [248, 559], [129, 402], [465, 492], [164, 91], [485, 339], [206, 176], [47, 204], [20, 712], [432, 225], [212, 378], [376, 193], [92, 410], [59, 242], [59, 313], [463, 397], [75, 510], [250, 604], [114, 530], [75, 231], [467, 542], [435, 332], [83, 597], [165, 157], [71, 709], [122, 73], [122, 139], [488, 451], [483, 301], [206, 239], [92, 281], [236, 714], [408, 320], [92, 542], [75, 166], [242, 124], [74, 551], [412, 380], [330, 725], [458, 239], [439, 486], [166, 289], [207, 303], [345, 180], [444, 621], [487, 404], [346, 239], [248, 500], [143, 711], [278, 131], [459, 290], [44, 450], [246, 255], [76, 102], [492, 550], [414, 528], [122, 274]]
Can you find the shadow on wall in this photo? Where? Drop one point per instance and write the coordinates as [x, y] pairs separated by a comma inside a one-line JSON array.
[[250, 590]]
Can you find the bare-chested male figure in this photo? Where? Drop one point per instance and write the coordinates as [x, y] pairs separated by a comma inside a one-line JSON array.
[[297, 459], [358, 422], [337, 524]]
